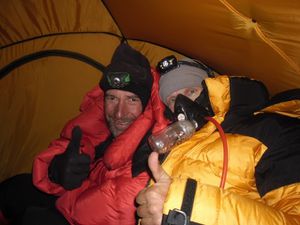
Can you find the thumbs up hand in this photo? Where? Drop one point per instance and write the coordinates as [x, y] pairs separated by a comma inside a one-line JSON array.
[[151, 199], [70, 168]]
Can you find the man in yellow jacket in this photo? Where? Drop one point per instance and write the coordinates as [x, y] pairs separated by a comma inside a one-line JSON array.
[[255, 181]]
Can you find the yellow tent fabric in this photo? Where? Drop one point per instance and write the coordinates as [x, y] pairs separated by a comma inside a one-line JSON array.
[[40, 91], [237, 37]]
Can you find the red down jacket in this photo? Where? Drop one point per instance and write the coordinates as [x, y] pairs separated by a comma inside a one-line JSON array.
[[107, 196]]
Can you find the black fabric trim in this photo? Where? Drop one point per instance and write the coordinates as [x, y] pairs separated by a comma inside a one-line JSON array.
[[100, 149], [189, 195], [169, 114], [186, 206], [288, 95], [203, 100], [247, 95], [279, 166], [37, 55], [140, 157], [165, 217]]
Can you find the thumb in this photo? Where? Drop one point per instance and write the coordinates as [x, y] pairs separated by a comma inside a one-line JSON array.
[[74, 144], [159, 174]]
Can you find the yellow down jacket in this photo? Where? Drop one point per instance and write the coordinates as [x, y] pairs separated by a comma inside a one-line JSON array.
[[263, 177]]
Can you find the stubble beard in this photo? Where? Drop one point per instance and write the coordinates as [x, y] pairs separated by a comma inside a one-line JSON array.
[[116, 129]]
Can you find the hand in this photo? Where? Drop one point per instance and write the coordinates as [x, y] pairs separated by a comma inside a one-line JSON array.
[[70, 168], [151, 199]]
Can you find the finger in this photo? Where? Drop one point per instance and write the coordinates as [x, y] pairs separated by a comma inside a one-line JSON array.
[[152, 203], [80, 170], [74, 183], [82, 160], [75, 140], [141, 198], [142, 211], [157, 171], [80, 164]]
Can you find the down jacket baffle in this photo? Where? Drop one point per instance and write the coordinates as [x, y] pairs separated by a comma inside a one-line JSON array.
[[263, 181], [108, 195]]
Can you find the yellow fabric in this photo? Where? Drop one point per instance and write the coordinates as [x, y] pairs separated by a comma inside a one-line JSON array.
[[214, 206], [289, 108], [260, 39], [22, 20], [201, 158], [219, 94], [254, 38], [39, 97]]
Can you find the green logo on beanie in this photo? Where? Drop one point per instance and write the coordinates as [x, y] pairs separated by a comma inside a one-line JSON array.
[[118, 79]]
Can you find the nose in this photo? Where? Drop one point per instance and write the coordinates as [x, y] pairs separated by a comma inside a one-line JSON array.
[[121, 110]]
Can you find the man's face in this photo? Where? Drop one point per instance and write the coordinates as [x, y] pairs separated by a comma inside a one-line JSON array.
[[121, 109], [192, 93]]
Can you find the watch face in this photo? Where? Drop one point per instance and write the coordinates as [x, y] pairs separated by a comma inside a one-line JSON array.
[[118, 79]]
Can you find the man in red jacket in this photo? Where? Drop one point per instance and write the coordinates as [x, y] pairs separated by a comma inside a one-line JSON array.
[[93, 172]]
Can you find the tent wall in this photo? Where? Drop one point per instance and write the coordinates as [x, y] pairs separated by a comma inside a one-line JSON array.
[[260, 39], [256, 38], [38, 97]]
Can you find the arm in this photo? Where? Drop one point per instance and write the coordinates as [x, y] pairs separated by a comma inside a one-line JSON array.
[[213, 205], [92, 122], [63, 166]]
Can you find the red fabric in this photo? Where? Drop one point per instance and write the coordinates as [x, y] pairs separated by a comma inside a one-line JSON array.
[[107, 197], [94, 129]]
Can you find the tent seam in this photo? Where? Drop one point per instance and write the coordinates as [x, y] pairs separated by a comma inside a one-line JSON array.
[[113, 18]]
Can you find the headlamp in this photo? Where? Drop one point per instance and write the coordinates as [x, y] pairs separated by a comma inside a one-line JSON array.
[[118, 79], [167, 64], [170, 63]]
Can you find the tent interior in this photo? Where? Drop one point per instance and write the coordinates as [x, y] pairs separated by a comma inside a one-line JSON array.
[[52, 54]]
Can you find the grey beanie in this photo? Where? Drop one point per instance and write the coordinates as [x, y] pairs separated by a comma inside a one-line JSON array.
[[184, 76]]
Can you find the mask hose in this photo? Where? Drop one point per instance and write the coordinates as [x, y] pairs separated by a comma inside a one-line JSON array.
[[195, 112], [225, 151]]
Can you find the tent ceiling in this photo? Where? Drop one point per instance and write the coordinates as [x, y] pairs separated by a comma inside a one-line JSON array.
[[260, 39], [257, 38]]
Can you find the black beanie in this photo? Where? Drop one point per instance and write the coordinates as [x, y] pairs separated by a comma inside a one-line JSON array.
[[129, 70]]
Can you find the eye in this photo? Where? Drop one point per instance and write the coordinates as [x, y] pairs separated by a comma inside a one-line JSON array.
[[134, 99], [171, 101], [192, 91], [110, 98]]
